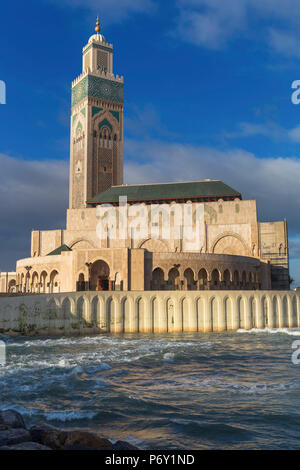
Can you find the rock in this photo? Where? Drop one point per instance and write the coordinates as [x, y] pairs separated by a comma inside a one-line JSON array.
[[12, 418], [122, 445], [38, 434], [86, 439], [4, 427], [14, 436], [54, 439], [26, 446], [78, 447]]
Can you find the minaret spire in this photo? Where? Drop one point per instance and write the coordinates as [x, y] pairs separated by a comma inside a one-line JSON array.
[[97, 29]]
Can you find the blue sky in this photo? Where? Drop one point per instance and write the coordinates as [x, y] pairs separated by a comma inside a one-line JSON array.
[[207, 89]]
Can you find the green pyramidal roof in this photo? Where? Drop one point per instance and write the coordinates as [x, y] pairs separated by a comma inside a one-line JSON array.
[[205, 190], [59, 250]]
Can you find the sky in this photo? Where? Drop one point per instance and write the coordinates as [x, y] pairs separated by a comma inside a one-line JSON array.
[[208, 87]]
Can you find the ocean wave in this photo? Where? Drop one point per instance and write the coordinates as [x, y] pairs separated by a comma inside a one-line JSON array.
[[287, 331], [73, 415], [169, 357], [215, 383]]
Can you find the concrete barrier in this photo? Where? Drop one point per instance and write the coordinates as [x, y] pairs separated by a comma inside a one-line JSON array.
[[148, 312]]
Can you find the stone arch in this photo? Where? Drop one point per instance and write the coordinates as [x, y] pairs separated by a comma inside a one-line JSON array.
[[201, 314], [12, 287], [227, 278], [171, 315], [202, 279], [173, 279], [158, 279], [154, 245], [228, 310], [66, 308], [214, 313], [185, 315], [155, 314], [34, 282], [189, 279], [293, 315], [95, 314], [236, 278], [265, 309], [242, 313], [253, 312], [130, 317], [276, 310], [43, 282], [81, 308], [141, 315], [111, 307], [215, 279], [81, 244], [244, 279], [229, 243], [284, 316], [99, 275], [54, 286], [81, 283]]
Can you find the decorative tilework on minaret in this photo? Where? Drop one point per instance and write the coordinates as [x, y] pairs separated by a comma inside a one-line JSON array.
[[96, 160]]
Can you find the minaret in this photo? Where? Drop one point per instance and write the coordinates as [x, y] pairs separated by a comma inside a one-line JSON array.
[[96, 157]]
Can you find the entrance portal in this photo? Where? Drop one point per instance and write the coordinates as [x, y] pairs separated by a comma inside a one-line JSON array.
[[99, 276]]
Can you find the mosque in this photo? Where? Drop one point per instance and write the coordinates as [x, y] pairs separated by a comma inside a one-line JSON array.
[[232, 249]]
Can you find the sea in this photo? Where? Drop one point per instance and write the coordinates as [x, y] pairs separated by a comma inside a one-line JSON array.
[[230, 390]]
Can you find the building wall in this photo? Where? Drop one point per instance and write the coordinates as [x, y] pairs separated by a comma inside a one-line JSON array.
[[148, 312], [139, 270], [229, 227], [275, 248]]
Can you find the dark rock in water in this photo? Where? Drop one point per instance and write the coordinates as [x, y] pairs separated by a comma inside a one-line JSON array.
[[26, 446], [14, 436], [86, 439], [78, 447], [54, 438], [122, 445], [12, 418], [38, 434]]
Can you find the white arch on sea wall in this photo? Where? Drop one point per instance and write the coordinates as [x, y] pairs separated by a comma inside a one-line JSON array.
[[149, 312]]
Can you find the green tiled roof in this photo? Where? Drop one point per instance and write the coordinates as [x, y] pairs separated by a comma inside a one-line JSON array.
[[59, 250], [149, 192]]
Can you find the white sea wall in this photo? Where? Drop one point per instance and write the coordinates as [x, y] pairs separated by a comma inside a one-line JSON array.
[[147, 312]]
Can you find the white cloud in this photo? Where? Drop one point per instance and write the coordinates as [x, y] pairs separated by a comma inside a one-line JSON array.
[[112, 11], [267, 129], [294, 134], [33, 195], [212, 23], [274, 182]]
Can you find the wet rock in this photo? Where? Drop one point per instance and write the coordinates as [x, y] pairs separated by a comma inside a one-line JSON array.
[[86, 439], [38, 434], [26, 446], [122, 445], [54, 439], [14, 436], [12, 419], [78, 447]]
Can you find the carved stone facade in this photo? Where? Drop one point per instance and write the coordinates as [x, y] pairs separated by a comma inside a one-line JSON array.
[[96, 153]]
